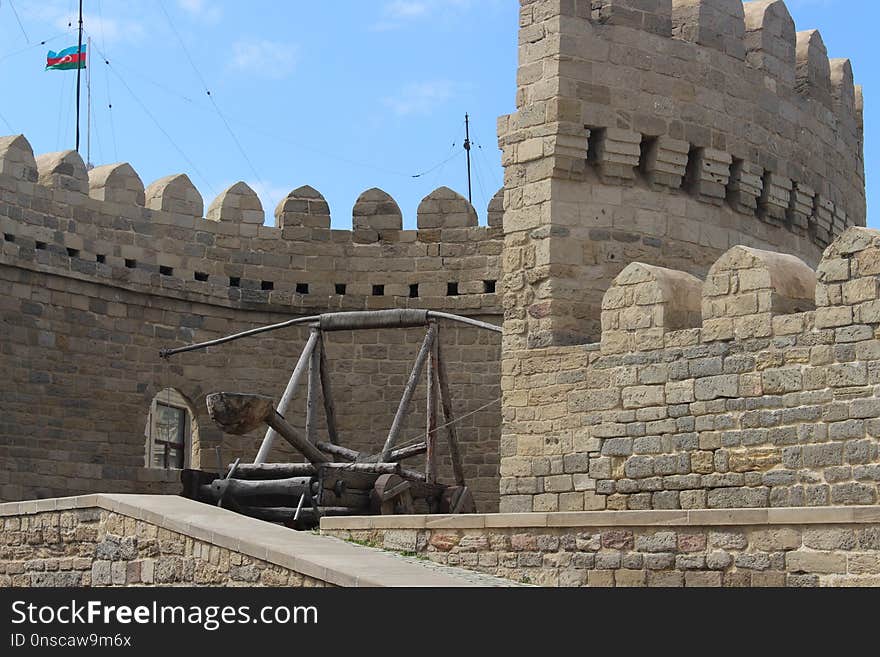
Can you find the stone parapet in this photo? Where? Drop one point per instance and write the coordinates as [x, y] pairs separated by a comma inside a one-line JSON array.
[[143, 540], [835, 546], [767, 397]]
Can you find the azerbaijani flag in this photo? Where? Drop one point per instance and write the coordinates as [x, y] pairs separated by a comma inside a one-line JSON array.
[[68, 58]]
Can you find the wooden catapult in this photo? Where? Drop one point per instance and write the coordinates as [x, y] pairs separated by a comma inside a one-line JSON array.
[[336, 480]]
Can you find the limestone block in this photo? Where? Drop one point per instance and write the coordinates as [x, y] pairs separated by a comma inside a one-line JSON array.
[[175, 194], [770, 39], [665, 163], [444, 208], [63, 170], [643, 303], [802, 202], [495, 211], [376, 210], [238, 203], [304, 206], [749, 286], [813, 70], [776, 197], [17, 159], [746, 186], [709, 173], [118, 183], [843, 90], [653, 16], [824, 212], [718, 24], [615, 152]]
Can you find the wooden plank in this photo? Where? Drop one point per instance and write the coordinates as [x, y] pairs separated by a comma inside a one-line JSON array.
[[287, 397], [411, 384], [431, 412], [451, 434], [312, 389], [327, 396]]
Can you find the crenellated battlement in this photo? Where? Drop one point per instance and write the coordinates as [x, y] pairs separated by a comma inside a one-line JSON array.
[[732, 81], [106, 224], [753, 387]]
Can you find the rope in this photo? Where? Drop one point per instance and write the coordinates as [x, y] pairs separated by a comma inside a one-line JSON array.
[[424, 436]]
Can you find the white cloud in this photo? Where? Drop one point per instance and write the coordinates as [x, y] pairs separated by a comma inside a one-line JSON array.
[[269, 59], [201, 10], [406, 8], [397, 13], [421, 97]]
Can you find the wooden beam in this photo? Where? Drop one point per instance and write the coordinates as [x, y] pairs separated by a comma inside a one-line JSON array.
[[337, 450], [327, 396], [431, 412], [312, 389], [287, 397], [451, 434], [296, 439], [411, 384]]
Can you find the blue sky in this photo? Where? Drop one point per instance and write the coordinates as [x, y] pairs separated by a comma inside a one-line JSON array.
[[342, 95]]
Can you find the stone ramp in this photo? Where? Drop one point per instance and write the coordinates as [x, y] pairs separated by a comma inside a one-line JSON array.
[[322, 558]]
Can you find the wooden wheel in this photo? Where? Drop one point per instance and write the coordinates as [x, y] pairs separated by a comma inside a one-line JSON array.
[[391, 495]]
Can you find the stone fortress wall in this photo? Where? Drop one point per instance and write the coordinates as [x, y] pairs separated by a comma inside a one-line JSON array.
[[666, 132], [754, 388], [674, 173], [100, 273]]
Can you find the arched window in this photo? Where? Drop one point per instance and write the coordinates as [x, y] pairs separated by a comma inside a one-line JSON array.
[[172, 433]]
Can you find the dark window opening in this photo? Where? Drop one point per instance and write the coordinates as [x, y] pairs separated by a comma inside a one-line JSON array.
[[234, 281], [101, 258], [73, 253], [413, 290], [40, 246], [267, 285], [130, 264], [452, 289], [489, 287], [340, 288], [166, 271], [378, 290], [302, 288], [201, 276], [8, 238]]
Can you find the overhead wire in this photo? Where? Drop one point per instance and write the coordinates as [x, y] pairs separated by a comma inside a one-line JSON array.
[[107, 80], [209, 94], [31, 47], [18, 20], [147, 111], [7, 123]]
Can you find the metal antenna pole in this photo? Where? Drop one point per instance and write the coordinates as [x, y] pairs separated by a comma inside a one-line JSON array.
[[467, 148], [79, 70], [88, 107]]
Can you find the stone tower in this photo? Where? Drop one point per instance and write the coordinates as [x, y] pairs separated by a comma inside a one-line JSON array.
[[666, 132]]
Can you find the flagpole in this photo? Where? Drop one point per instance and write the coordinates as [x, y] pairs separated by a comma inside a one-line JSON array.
[[88, 106], [79, 69]]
